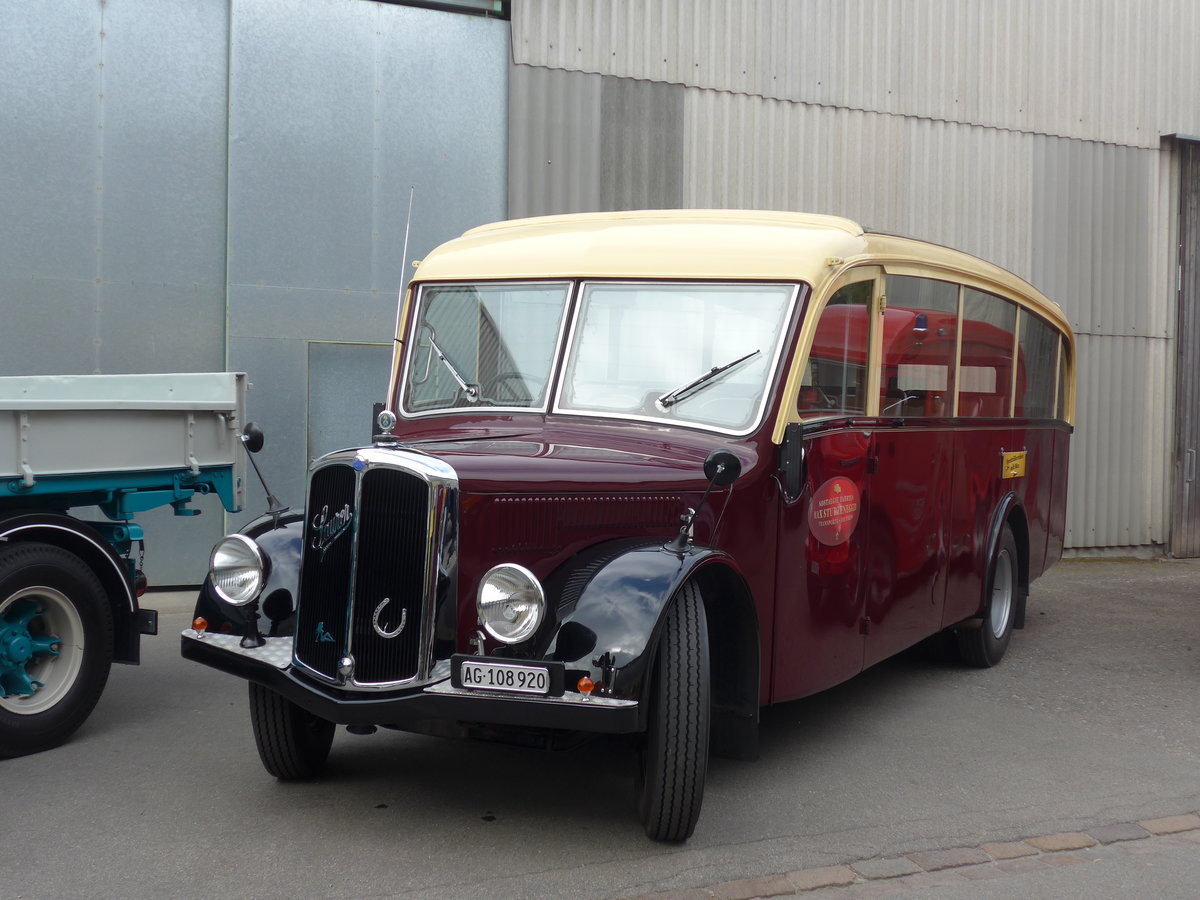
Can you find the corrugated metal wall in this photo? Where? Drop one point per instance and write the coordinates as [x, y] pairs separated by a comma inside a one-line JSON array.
[[1029, 136], [1119, 71], [1185, 522], [337, 107]]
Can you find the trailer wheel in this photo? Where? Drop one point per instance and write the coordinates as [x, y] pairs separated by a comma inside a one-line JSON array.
[[56, 646], [984, 647], [674, 760], [293, 744]]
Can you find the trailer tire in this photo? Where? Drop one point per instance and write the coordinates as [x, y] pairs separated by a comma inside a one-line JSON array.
[[293, 744], [49, 598], [674, 760]]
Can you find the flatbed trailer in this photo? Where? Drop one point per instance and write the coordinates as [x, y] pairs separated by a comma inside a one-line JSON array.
[[80, 457]]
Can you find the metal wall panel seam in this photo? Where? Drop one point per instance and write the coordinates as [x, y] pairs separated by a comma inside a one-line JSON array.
[[98, 167], [228, 193]]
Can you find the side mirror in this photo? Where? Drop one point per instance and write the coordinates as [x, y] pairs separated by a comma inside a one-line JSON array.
[[722, 467], [253, 437], [791, 462]]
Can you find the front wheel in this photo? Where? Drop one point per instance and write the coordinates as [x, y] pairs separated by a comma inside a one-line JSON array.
[[293, 744], [674, 759], [56, 646], [984, 646]]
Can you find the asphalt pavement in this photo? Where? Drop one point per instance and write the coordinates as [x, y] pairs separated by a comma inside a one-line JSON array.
[[1090, 723]]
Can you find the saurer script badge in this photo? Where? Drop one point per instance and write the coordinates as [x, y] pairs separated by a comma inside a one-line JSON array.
[[834, 511], [326, 528]]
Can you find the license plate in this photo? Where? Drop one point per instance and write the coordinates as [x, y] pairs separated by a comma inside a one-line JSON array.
[[498, 676]]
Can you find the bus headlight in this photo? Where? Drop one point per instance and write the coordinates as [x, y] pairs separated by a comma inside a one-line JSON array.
[[510, 603], [237, 568]]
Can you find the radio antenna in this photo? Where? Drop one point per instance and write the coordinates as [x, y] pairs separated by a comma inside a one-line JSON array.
[[390, 402], [404, 264]]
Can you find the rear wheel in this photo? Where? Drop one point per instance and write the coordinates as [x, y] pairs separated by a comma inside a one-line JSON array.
[[674, 760], [56, 645], [985, 646], [293, 744]]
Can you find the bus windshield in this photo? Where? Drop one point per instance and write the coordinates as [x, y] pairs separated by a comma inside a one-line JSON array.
[[697, 353], [687, 353]]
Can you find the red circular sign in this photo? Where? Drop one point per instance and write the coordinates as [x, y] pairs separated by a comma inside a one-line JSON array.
[[834, 511]]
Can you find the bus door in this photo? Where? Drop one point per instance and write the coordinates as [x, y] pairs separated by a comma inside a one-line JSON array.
[[819, 592], [911, 465]]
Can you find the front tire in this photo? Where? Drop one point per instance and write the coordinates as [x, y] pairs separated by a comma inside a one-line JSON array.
[[674, 760], [984, 647], [293, 744], [56, 646]]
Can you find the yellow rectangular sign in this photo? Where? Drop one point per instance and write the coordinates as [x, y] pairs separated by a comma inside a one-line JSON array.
[[1013, 465]]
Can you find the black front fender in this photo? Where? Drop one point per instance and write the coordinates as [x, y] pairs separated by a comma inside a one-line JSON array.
[[612, 629], [282, 541]]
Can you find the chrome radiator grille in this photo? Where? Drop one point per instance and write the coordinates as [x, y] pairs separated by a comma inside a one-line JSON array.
[[370, 568]]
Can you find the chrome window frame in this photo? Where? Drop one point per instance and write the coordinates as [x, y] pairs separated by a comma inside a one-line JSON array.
[[570, 286]]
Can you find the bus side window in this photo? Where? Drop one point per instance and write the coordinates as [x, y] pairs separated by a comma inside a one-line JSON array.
[[985, 371], [919, 338], [1037, 368], [834, 377]]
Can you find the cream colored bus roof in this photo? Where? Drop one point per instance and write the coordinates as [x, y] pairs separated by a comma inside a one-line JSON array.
[[702, 244]]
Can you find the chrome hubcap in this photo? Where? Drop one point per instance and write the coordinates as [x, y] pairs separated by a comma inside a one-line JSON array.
[[41, 649], [1002, 594]]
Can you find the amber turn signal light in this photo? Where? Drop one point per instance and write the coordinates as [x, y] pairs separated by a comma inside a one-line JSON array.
[[200, 623], [585, 685]]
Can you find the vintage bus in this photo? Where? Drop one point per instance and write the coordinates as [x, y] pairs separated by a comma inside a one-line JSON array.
[[645, 472]]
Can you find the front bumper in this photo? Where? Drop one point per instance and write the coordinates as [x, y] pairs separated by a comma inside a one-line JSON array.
[[270, 666]]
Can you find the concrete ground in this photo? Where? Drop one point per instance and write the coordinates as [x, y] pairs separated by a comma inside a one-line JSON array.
[[1088, 727]]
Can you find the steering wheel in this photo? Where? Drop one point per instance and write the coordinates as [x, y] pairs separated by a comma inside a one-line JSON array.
[[501, 383]]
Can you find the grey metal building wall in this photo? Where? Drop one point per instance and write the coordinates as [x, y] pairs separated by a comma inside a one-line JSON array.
[[337, 108], [190, 185], [1021, 132]]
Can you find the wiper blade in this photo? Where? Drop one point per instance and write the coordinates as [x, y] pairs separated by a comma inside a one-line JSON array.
[[670, 398], [471, 390]]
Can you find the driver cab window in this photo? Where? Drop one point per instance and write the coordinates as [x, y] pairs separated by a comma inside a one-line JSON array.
[[835, 376]]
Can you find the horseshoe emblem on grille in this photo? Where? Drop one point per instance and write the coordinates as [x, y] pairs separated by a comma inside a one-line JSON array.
[[375, 620]]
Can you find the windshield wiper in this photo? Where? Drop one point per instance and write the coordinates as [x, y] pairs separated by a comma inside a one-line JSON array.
[[471, 390], [670, 398]]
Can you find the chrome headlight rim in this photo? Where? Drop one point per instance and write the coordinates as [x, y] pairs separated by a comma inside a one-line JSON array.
[[510, 603], [253, 564]]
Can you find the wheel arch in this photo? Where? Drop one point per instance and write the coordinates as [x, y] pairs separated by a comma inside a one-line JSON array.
[[734, 649], [84, 542], [1010, 512]]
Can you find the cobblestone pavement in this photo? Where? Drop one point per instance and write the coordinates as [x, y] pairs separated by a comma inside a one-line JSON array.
[[897, 876]]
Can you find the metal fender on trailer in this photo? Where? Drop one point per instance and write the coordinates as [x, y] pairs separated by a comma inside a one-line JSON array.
[[616, 621], [66, 609], [93, 550]]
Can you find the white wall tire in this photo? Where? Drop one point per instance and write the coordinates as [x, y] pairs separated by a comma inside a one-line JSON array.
[[56, 645]]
